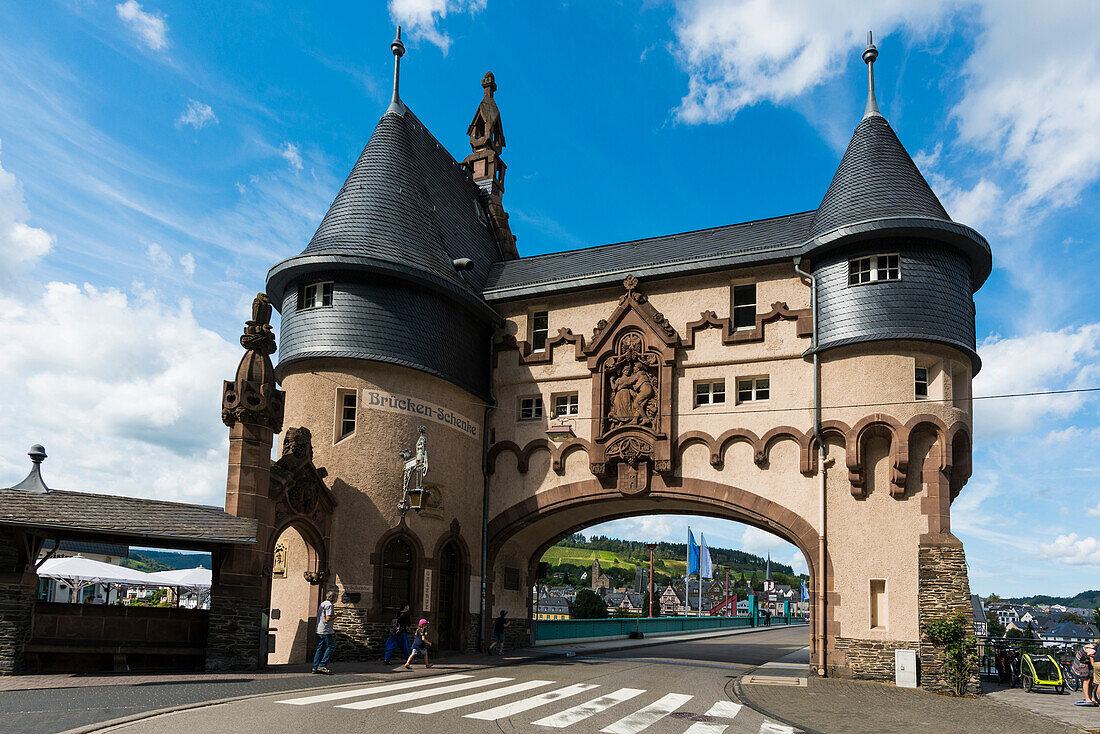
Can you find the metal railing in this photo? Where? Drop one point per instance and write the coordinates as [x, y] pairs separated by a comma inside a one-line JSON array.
[[581, 629]]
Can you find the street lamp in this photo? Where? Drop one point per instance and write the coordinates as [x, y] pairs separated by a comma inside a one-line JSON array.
[[651, 546], [413, 493]]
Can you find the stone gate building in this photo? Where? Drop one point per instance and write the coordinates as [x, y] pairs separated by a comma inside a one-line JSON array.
[[807, 374]]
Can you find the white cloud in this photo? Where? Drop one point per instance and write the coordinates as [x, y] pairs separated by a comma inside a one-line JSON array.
[[292, 155], [420, 17], [1093, 511], [135, 413], [197, 115], [19, 242], [1072, 550], [160, 259], [1048, 360], [151, 28], [187, 263]]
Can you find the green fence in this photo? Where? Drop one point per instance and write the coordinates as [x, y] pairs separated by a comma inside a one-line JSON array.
[[580, 629]]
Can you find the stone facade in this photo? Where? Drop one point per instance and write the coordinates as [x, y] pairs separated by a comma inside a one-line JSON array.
[[944, 590], [357, 636], [16, 606], [233, 637], [868, 659]]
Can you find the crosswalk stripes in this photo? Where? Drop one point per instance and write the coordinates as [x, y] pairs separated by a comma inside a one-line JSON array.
[[373, 703], [583, 711], [431, 695], [474, 698], [371, 690], [518, 707], [645, 717]]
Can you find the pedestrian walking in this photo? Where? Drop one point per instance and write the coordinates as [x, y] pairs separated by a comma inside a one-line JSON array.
[[1084, 667], [326, 634], [420, 645], [399, 635], [499, 625]]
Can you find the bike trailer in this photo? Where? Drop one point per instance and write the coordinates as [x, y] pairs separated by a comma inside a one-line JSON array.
[[1038, 669]]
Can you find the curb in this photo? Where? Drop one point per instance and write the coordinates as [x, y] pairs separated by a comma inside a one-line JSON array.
[[738, 692]]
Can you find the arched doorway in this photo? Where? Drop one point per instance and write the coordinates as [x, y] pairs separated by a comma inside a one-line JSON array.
[[449, 624], [294, 599]]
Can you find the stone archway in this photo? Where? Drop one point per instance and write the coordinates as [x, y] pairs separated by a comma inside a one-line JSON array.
[[294, 594]]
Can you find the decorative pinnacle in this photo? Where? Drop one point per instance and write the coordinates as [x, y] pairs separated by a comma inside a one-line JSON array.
[[398, 49], [869, 55]]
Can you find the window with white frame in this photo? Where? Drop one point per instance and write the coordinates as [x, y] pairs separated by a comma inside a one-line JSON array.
[[710, 392], [920, 382], [873, 269], [566, 404], [530, 409], [345, 406], [315, 295], [751, 389], [540, 330], [744, 306]]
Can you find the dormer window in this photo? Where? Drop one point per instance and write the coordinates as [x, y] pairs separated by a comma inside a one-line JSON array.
[[315, 295], [873, 269]]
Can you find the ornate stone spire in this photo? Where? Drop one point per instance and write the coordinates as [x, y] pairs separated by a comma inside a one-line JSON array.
[[252, 396], [486, 166], [398, 48], [869, 55]]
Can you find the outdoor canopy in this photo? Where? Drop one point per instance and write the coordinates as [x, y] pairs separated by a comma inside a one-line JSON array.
[[189, 578], [79, 572]]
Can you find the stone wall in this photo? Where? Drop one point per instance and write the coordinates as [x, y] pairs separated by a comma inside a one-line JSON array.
[[358, 638], [517, 635], [869, 659], [16, 606], [473, 623], [233, 637], [944, 589]]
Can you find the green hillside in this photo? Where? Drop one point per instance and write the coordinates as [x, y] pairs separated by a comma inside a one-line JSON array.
[[559, 555]]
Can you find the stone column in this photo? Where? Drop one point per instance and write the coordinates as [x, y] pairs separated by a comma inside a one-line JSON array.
[[17, 592], [943, 589], [252, 408]]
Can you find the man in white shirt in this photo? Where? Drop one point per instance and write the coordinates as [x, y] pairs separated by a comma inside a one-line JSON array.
[[326, 635]]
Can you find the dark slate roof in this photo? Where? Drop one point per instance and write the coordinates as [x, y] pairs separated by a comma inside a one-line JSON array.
[[407, 207], [131, 517], [103, 549], [876, 179], [1071, 629], [697, 251], [976, 608]]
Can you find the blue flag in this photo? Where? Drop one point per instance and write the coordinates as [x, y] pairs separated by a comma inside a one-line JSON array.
[[693, 554], [805, 592]]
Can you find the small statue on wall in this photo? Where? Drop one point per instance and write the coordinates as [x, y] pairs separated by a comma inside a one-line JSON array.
[[278, 564]]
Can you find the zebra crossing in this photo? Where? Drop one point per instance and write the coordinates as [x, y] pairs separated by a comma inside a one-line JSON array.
[[541, 702]]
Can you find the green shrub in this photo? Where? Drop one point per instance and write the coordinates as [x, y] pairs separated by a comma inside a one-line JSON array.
[[954, 635]]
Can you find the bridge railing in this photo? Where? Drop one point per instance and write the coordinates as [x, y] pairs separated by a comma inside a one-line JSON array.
[[592, 630]]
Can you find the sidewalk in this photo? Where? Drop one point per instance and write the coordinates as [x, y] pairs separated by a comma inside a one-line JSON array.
[[839, 706]]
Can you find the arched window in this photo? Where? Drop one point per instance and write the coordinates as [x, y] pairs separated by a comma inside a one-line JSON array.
[[397, 575]]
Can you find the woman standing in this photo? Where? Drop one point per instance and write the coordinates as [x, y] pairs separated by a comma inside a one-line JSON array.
[[420, 644]]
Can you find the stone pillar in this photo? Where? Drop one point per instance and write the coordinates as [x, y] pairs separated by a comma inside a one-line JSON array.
[[17, 592], [252, 408], [943, 589]]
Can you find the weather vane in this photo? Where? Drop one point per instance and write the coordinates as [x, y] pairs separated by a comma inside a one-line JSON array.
[[413, 493]]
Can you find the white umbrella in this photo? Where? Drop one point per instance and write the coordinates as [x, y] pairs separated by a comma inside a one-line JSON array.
[[191, 578], [79, 572]]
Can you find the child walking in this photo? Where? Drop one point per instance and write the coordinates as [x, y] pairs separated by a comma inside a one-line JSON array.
[[420, 644]]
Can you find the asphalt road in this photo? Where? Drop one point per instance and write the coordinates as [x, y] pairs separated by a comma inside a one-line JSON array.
[[678, 688]]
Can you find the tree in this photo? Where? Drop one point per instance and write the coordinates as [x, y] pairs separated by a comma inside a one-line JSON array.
[[589, 605], [959, 648], [996, 629], [1070, 617], [656, 603], [1096, 618], [992, 598]]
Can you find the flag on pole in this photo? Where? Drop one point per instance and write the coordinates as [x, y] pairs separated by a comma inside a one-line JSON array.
[[706, 565], [805, 592], [693, 554]]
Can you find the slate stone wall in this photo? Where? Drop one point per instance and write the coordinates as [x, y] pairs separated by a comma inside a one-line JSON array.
[[944, 588], [233, 637], [870, 659], [16, 606], [357, 637], [517, 634]]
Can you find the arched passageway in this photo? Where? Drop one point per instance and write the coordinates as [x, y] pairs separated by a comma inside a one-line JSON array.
[[295, 594]]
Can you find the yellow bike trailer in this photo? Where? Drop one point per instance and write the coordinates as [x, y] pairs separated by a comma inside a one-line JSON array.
[[1038, 669]]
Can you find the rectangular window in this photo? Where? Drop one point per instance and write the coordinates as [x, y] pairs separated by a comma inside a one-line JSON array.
[[750, 389], [315, 295], [873, 269], [566, 405], [710, 393], [878, 604], [347, 414], [530, 408], [920, 382], [744, 306], [540, 329]]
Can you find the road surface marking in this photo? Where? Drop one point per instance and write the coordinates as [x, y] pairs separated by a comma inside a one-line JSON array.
[[769, 728], [511, 709], [700, 728], [370, 691], [643, 718], [454, 703], [413, 695], [584, 710], [725, 709]]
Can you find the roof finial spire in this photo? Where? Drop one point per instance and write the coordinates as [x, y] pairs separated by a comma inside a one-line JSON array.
[[869, 55], [398, 49]]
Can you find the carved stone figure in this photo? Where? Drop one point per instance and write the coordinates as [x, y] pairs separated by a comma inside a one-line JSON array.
[[633, 386], [278, 565]]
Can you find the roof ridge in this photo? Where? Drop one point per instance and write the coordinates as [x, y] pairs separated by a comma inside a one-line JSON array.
[[144, 499]]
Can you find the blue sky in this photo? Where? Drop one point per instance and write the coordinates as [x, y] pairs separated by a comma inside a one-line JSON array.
[[157, 157]]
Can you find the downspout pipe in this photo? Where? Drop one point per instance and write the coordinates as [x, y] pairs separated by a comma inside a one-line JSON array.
[[823, 462], [485, 501]]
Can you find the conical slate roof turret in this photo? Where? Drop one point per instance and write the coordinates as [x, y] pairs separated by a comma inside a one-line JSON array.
[[877, 178]]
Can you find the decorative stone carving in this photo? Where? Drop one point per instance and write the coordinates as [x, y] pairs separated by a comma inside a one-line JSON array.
[[278, 564], [631, 357], [315, 577], [252, 397], [301, 498]]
